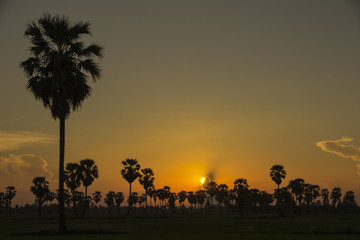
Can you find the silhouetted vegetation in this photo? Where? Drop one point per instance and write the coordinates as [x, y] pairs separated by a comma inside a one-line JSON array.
[[57, 74]]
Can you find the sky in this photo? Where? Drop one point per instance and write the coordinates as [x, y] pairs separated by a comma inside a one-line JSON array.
[[194, 88]]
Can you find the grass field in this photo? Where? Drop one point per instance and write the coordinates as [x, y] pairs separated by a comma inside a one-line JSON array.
[[185, 228]]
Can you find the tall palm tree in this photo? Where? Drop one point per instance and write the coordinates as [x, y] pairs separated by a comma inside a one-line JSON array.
[[57, 73], [130, 173], [40, 189]]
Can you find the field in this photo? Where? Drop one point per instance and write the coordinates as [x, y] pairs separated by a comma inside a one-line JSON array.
[[186, 228]]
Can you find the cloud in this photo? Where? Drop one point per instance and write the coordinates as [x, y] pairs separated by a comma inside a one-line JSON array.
[[16, 139], [342, 148], [21, 166]]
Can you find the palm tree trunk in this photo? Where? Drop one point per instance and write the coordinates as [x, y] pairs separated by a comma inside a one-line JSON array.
[[85, 207], [127, 214], [62, 223], [40, 208], [146, 208]]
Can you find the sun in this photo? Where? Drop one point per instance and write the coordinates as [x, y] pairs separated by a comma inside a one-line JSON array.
[[203, 180]]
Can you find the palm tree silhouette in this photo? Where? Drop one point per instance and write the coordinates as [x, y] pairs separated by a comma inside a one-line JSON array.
[[147, 181], [89, 172], [130, 173], [40, 189], [325, 196], [336, 196], [9, 195], [277, 173], [241, 190], [73, 178], [57, 74], [119, 198], [110, 200], [297, 189]]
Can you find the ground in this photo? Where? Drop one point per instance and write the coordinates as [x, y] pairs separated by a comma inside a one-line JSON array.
[[186, 228]]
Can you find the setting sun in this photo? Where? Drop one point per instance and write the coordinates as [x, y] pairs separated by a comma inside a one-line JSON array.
[[203, 180]]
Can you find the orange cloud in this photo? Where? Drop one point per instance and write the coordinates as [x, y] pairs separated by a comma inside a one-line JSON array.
[[342, 148], [19, 167]]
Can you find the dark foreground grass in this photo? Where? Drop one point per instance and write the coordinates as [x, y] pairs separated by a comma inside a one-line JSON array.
[[185, 228]]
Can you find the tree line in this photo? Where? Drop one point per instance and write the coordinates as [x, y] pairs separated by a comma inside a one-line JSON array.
[[212, 198]]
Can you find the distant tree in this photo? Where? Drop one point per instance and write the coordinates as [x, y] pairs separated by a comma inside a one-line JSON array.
[[296, 187], [254, 197], [192, 199], [163, 194], [97, 197], [89, 172], [284, 199], [2, 200], [311, 192], [222, 194], [110, 200], [50, 196], [325, 196], [265, 199], [201, 196], [40, 189], [141, 199], [146, 179], [119, 198], [73, 180], [277, 173], [9, 195], [182, 197], [130, 173], [336, 196], [133, 199], [172, 200], [241, 191], [57, 73], [211, 189], [73, 176], [349, 199]]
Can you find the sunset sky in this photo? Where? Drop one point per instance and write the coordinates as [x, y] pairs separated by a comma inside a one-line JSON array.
[[194, 88]]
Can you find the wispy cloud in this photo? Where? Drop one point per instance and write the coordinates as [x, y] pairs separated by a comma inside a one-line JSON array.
[[342, 148], [23, 166], [16, 139]]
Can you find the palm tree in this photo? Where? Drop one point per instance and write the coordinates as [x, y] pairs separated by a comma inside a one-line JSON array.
[[119, 198], [297, 189], [130, 173], [241, 190], [97, 197], [147, 181], [73, 179], [277, 173], [40, 189], [325, 196], [336, 196], [182, 197], [57, 73], [88, 171], [9, 195], [110, 200]]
